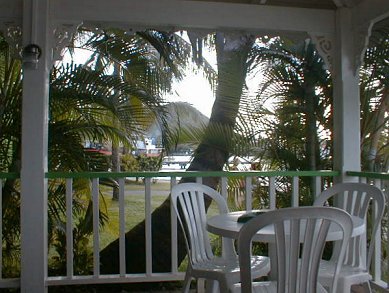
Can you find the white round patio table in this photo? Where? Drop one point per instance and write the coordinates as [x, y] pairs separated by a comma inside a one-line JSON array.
[[227, 225]]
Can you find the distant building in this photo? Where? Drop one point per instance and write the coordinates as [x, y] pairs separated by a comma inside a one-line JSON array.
[[96, 147], [147, 148]]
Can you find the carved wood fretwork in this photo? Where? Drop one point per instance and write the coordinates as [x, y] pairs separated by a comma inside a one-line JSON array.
[[325, 47]]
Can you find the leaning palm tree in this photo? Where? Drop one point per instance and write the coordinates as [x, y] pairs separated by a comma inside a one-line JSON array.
[[212, 153], [233, 51]]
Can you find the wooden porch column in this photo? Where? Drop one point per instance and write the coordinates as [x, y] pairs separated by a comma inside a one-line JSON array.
[[34, 149], [346, 97]]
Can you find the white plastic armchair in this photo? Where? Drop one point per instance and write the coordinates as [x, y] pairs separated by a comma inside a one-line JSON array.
[[356, 199], [189, 204], [300, 236]]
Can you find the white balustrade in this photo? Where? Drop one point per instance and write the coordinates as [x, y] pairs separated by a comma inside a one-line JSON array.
[[269, 181]]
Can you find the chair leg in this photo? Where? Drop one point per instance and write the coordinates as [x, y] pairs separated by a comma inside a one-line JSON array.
[[223, 285], [187, 281], [367, 287], [211, 286], [201, 285]]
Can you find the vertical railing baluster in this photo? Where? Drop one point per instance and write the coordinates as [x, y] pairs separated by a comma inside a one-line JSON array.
[[249, 196], [224, 193], [272, 192], [249, 193], [386, 193], [69, 228], [96, 216], [272, 203], [148, 222], [377, 247], [122, 228], [317, 190], [174, 236], [295, 191], [1, 228], [224, 187]]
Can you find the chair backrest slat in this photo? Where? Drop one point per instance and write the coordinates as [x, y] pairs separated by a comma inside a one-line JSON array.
[[356, 198], [189, 203], [292, 264]]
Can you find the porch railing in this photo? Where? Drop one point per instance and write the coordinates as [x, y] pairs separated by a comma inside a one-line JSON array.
[[270, 181], [380, 264]]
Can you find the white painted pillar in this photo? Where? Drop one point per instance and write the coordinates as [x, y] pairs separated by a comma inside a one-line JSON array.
[[34, 150], [346, 97]]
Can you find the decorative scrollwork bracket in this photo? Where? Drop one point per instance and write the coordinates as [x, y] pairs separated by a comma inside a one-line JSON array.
[[62, 36], [325, 47], [12, 32], [361, 41]]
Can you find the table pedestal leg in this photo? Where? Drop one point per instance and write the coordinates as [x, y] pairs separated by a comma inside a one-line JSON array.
[[273, 262]]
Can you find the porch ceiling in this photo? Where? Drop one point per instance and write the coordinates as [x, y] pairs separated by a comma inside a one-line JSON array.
[[264, 16]]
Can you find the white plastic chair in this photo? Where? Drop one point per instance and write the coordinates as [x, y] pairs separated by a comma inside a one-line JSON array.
[[300, 236], [356, 199], [189, 205]]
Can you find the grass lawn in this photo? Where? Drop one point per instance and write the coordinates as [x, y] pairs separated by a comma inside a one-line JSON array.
[[134, 200], [134, 207]]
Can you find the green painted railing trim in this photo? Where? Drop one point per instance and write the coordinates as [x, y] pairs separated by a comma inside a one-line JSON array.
[[11, 175], [53, 175], [374, 175]]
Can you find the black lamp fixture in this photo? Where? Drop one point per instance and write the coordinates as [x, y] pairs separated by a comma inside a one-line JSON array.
[[31, 54]]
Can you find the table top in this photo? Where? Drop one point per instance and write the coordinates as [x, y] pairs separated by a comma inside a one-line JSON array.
[[227, 225]]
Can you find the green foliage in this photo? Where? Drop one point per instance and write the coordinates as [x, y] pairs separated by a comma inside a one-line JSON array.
[[295, 80], [82, 253], [149, 163], [129, 163], [86, 103], [83, 226], [10, 127], [150, 60], [295, 129], [374, 89]]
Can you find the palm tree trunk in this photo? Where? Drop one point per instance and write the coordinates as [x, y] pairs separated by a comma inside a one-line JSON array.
[[211, 155], [115, 157], [376, 135], [115, 168], [311, 132]]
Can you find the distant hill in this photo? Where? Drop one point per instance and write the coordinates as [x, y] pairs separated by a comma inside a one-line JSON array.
[[180, 114]]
